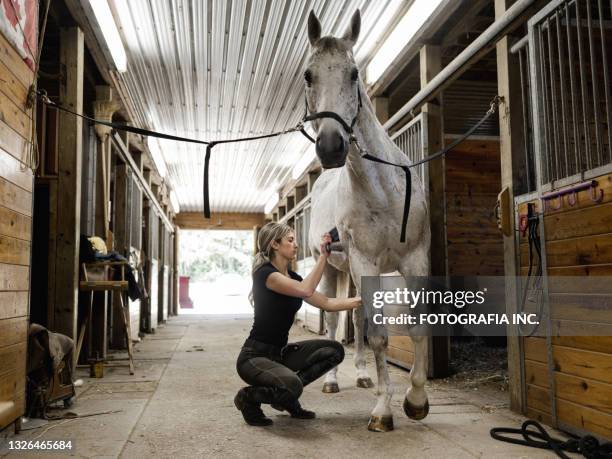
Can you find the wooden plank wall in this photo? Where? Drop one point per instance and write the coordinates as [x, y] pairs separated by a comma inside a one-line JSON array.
[[16, 188], [578, 243], [474, 244]]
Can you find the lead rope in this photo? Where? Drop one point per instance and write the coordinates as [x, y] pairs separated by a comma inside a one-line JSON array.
[[297, 128]]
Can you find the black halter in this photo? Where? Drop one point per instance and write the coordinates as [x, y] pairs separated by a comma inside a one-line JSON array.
[[365, 155], [317, 115]]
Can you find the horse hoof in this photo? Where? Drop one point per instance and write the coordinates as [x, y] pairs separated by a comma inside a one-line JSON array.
[[381, 423], [330, 388], [415, 412], [365, 383]]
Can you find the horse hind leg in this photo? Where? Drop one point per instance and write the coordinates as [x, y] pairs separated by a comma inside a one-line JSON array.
[[327, 287]]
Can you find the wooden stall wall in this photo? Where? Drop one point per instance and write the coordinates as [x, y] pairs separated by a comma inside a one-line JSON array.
[[578, 243], [16, 187], [474, 243]]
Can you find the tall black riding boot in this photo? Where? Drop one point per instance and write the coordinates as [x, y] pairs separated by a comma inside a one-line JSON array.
[[295, 410], [248, 401]]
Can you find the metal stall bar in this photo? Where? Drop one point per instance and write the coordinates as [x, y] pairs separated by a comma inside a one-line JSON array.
[[606, 76], [595, 82], [574, 95], [544, 175], [562, 61], [587, 130], [553, 160]]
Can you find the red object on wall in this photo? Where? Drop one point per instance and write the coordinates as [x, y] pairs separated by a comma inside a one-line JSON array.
[[184, 300]]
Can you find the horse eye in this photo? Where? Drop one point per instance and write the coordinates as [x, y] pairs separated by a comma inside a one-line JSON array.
[[308, 77], [354, 74]]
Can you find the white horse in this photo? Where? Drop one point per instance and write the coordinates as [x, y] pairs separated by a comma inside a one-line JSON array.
[[364, 200]]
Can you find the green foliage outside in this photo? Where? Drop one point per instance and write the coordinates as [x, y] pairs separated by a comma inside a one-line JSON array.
[[207, 255]]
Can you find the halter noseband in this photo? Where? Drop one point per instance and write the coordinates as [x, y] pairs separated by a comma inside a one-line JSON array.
[[327, 114]]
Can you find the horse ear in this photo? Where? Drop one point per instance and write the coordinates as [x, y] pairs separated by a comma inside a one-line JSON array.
[[314, 28], [352, 33]]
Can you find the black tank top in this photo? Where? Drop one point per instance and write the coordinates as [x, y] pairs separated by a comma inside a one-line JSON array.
[[274, 313]]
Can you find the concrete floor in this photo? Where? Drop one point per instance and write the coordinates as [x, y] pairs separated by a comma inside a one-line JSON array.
[[179, 404]]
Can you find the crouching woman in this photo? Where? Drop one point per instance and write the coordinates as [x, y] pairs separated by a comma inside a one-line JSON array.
[[276, 371]]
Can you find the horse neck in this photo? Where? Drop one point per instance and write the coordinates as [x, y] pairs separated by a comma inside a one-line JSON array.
[[373, 138]]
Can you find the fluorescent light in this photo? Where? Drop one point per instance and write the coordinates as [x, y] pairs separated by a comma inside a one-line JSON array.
[[174, 201], [158, 156], [371, 39], [303, 163], [109, 31], [405, 30], [271, 203]]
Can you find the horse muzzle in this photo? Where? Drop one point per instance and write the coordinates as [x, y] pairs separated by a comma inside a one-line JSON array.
[[331, 148]]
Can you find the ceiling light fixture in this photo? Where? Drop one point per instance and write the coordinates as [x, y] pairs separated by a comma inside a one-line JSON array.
[[106, 28], [157, 155], [404, 31]]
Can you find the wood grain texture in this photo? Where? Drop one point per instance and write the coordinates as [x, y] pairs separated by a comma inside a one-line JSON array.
[[13, 171], [13, 304], [14, 224], [13, 331], [228, 220], [14, 251], [15, 198], [16, 64], [14, 277]]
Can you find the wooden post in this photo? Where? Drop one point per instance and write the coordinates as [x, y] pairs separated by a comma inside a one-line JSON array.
[[69, 183], [430, 65], [511, 143]]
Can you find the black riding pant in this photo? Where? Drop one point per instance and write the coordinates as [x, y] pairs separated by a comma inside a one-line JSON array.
[[279, 374]]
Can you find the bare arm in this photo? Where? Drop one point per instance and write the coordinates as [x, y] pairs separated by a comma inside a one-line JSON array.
[[305, 288], [320, 301]]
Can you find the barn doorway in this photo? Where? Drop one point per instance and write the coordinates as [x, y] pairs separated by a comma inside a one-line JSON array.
[[216, 267]]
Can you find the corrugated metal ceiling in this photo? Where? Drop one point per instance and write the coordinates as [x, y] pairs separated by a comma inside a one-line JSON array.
[[216, 69]]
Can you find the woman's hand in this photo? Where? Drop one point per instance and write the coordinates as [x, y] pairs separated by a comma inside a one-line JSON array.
[[353, 303], [325, 239]]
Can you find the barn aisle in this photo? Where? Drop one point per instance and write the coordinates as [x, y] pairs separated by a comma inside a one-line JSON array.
[[179, 404]]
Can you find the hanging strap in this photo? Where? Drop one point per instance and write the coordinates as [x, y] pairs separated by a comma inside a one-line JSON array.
[[407, 194]]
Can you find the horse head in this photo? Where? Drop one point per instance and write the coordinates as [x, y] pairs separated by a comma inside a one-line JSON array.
[[332, 85]]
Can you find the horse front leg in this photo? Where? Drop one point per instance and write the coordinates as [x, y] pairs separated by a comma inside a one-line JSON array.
[[330, 385], [381, 418], [363, 378], [327, 287]]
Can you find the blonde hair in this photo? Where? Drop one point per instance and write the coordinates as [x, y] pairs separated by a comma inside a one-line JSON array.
[[268, 234]]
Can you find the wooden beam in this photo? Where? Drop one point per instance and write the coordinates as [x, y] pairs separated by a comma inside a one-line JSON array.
[[430, 59], [511, 144], [69, 183], [223, 220]]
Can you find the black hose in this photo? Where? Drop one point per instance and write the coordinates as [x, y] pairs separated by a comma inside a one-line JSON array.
[[588, 445]]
